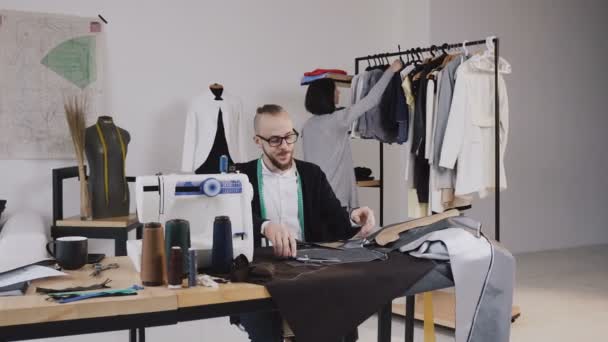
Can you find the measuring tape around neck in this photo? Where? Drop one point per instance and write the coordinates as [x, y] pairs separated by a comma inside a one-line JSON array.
[[300, 198]]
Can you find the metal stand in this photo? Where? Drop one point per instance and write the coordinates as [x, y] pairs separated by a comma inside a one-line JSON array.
[[383, 328]]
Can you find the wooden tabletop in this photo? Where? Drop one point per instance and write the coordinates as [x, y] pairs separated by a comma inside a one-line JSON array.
[[34, 308], [226, 293]]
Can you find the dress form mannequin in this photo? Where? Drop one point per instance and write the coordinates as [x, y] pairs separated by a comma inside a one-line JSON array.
[[108, 188], [220, 146]]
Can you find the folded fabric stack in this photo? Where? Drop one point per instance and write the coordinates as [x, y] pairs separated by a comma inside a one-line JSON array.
[[363, 174], [334, 74]]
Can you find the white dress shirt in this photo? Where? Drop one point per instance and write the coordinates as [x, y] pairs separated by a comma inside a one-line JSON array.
[[281, 199]]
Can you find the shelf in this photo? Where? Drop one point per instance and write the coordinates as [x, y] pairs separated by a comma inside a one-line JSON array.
[[113, 222], [340, 80], [369, 184]]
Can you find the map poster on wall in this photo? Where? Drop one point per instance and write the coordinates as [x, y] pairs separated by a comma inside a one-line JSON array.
[[43, 59]]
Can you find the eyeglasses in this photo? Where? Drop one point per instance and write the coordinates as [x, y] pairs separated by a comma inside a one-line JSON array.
[[276, 141]]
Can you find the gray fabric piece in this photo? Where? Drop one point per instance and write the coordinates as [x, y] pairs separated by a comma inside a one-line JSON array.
[[435, 250], [444, 102], [439, 278], [326, 142], [493, 319], [444, 178], [484, 277], [470, 260], [342, 256], [366, 122]]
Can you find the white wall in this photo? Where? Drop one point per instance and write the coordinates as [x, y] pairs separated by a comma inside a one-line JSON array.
[[160, 54], [556, 160]]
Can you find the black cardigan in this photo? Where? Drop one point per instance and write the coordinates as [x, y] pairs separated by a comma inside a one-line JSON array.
[[324, 218]]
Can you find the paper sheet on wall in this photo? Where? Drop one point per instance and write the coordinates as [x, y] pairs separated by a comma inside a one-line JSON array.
[[43, 59]]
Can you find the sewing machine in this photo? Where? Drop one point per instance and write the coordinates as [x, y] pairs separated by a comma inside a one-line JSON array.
[[199, 199]]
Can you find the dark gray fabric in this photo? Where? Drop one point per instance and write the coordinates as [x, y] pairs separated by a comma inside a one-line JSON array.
[[342, 256], [438, 278], [328, 302], [388, 122], [366, 121], [262, 326]]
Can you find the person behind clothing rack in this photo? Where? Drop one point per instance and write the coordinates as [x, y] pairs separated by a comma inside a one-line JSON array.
[[326, 137]]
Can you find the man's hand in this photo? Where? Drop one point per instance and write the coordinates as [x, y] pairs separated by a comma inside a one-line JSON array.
[[363, 216], [282, 239], [396, 65]]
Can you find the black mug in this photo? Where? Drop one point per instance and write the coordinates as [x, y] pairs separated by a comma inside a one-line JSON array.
[[69, 251]]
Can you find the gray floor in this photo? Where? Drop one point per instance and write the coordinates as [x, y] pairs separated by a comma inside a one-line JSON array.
[[563, 296]]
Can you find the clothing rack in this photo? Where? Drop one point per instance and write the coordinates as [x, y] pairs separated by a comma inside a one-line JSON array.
[[496, 118]]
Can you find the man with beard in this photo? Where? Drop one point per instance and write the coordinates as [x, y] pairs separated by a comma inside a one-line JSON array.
[[292, 198], [292, 201]]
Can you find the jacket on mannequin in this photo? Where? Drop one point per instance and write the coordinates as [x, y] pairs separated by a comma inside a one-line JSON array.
[[205, 141], [106, 150]]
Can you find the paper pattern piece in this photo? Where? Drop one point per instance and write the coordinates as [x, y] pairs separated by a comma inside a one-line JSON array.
[[28, 273], [43, 59], [74, 60]]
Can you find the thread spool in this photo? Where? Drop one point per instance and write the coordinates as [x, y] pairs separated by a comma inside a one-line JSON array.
[[176, 268], [177, 233], [192, 267], [223, 163], [221, 252], [153, 255]]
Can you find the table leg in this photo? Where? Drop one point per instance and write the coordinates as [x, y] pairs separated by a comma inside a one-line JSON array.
[[132, 335], [142, 334], [384, 323], [120, 247], [139, 232], [410, 306]]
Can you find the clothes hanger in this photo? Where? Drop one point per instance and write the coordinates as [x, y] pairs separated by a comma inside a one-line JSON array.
[[419, 54], [486, 60], [432, 50], [403, 64]]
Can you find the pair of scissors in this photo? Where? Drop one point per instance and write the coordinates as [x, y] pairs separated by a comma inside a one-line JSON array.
[[307, 259]]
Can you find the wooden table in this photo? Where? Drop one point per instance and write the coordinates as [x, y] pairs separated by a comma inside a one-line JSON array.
[[32, 316]]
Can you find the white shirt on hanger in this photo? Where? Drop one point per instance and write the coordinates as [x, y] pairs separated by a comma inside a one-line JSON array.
[[201, 127], [469, 135]]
